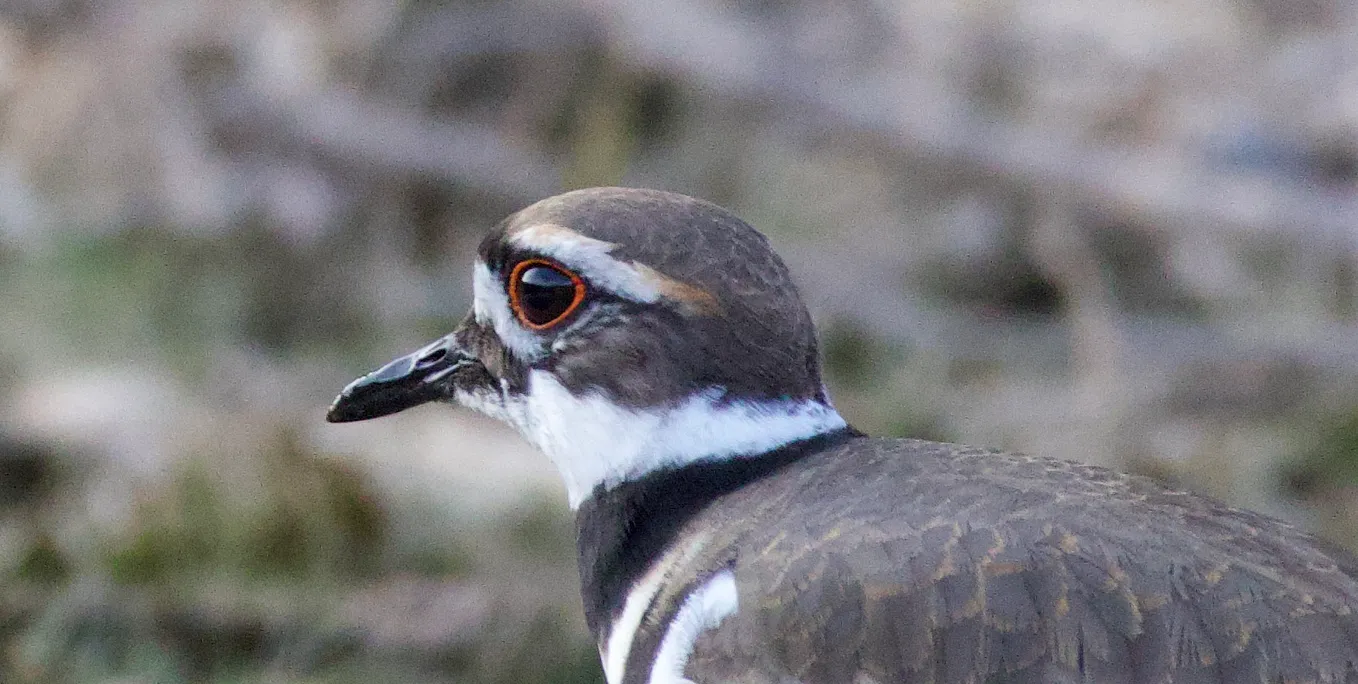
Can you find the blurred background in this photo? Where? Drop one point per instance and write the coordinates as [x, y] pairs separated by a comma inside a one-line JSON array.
[[1117, 231]]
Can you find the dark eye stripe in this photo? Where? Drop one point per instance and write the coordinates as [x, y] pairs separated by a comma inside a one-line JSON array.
[[543, 294]]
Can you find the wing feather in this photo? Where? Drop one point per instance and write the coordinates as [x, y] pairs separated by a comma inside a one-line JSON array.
[[998, 569]]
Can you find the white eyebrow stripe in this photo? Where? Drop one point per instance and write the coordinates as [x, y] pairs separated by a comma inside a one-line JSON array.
[[593, 260]]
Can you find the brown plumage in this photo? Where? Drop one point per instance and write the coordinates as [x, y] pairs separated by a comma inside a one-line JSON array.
[[913, 562]]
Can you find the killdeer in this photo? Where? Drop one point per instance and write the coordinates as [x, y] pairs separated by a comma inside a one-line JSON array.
[[733, 528]]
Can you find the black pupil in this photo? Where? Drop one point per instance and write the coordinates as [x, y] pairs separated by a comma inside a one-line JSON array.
[[545, 294]]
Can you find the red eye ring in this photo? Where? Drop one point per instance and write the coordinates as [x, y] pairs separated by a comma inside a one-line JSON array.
[[544, 309]]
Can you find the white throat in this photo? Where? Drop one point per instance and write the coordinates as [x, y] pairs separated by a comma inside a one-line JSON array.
[[595, 442]]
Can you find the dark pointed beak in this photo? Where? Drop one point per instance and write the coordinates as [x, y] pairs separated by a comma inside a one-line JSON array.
[[411, 380]]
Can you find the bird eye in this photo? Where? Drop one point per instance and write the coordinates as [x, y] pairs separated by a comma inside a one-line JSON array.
[[543, 294]]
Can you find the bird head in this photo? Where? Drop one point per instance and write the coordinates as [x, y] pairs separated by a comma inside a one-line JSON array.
[[622, 331]]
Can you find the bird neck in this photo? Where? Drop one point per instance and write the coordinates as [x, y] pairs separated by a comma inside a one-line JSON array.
[[623, 531], [596, 443]]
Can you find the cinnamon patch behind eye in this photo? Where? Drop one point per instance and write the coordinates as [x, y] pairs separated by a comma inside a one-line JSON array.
[[693, 299]]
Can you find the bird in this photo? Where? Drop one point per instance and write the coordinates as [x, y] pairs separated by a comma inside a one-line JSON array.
[[731, 526]]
